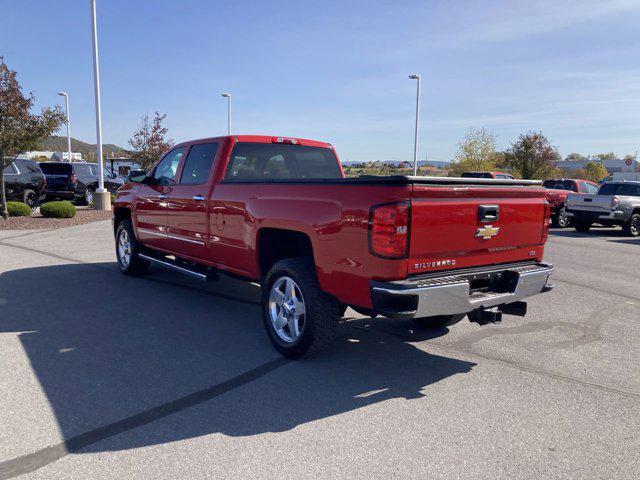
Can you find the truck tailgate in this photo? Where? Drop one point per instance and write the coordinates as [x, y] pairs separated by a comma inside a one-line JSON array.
[[464, 226], [590, 203]]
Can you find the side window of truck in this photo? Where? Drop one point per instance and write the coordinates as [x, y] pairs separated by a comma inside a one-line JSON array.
[[165, 171], [198, 163], [589, 188]]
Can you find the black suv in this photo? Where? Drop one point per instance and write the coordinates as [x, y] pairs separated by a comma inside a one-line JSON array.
[[24, 182], [77, 181]]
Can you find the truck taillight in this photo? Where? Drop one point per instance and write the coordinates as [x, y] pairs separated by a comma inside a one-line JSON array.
[[389, 230], [545, 223], [614, 203]]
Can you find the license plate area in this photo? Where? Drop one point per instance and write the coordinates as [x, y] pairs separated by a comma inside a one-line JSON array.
[[493, 282]]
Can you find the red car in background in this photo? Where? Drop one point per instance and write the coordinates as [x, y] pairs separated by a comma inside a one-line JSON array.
[[557, 191]]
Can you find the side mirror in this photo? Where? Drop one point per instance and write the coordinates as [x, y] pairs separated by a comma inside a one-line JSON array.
[[137, 176]]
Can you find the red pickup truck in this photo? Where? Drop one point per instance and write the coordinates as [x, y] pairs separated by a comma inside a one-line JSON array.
[[279, 211], [557, 191]]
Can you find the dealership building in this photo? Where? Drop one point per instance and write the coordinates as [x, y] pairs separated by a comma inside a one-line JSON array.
[[612, 166]]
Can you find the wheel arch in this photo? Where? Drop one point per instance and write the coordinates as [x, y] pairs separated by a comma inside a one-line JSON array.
[[274, 244], [120, 214]]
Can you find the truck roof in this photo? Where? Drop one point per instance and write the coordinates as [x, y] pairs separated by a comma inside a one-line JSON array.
[[263, 139]]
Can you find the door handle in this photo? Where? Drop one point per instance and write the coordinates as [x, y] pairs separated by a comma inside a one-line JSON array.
[[162, 196], [198, 198]]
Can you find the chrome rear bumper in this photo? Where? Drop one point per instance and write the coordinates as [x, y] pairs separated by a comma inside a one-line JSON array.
[[461, 292]]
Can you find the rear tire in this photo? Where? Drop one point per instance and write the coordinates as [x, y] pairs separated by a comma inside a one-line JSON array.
[[582, 226], [291, 287], [128, 250], [632, 226], [88, 196], [30, 198], [438, 322], [561, 219]]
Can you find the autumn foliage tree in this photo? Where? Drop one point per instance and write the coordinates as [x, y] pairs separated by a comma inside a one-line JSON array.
[[595, 171], [476, 153], [149, 141], [20, 129], [532, 157]]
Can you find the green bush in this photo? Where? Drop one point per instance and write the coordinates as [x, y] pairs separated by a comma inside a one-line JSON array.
[[63, 209], [18, 209]]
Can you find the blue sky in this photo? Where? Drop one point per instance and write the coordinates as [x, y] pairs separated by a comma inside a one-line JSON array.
[[337, 70]]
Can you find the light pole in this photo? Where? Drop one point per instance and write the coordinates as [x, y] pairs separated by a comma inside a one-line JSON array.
[[102, 200], [228, 97], [417, 77], [66, 100]]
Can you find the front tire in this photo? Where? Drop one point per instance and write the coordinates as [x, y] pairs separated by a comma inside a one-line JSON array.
[[582, 226], [440, 321], [632, 226], [300, 319], [128, 249]]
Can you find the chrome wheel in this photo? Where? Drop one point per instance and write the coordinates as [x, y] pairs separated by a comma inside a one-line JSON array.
[[88, 196], [287, 309], [635, 226], [563, 219], [124, 248]]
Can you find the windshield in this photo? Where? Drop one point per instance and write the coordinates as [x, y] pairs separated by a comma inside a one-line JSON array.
[[56, 168], [560, 185], [266, 161]]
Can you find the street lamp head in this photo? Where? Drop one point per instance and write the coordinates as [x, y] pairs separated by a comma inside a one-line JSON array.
[[63, 94], [414, 76], [227, 95]]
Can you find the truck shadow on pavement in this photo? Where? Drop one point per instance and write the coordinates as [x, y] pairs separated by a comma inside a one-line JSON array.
[[107, 348]]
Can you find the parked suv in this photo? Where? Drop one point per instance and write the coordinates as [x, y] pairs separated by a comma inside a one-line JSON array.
[[25, 182], [76, 181], [616, 203]]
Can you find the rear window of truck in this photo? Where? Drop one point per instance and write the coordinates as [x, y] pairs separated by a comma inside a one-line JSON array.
[[476, 175], [273, 162], [631, 189], [560, 185], [56, 168]]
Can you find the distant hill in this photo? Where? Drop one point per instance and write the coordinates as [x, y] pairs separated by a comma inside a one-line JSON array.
[[88, 150]]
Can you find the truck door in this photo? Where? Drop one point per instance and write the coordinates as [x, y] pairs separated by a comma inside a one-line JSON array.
[[188, 201], [151, 201]]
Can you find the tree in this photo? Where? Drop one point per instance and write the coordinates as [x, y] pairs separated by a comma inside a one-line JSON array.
[[476, 152], [575, 157], [149, 142], [532, 157], [606, 156], [580, 173], [595, 171], [20, 129]]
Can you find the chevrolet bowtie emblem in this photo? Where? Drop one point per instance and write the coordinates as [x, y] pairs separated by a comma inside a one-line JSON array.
[[487, 231]]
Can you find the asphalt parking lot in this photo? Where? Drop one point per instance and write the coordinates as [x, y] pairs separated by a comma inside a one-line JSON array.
[[105, 376]]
